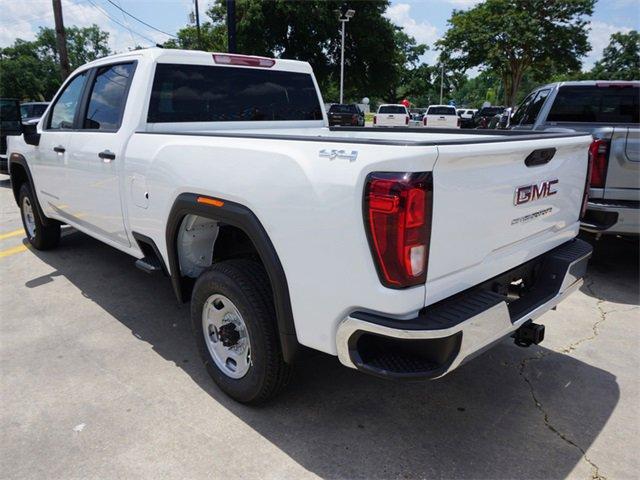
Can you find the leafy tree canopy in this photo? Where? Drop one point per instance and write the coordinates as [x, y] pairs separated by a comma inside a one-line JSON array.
[[376, 52], [513, 37], [30, 70], [620, 59]]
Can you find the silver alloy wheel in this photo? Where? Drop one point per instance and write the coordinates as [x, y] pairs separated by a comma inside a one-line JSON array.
[[226, 336], [29, 218]]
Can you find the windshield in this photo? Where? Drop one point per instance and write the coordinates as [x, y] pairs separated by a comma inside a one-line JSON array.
[[601, 104], [392, 109], [441, 111]]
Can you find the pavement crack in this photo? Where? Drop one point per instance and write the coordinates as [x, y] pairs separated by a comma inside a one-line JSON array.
[[602, 317], [595, 470]]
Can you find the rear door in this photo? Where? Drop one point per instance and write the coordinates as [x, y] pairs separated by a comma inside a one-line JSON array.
[[95, 154], [51, 157], [493, 212]]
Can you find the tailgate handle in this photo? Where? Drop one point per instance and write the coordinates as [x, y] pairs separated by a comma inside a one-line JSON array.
[[540, 157]]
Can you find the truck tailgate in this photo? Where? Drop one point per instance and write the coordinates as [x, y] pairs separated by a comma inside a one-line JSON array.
[[492, 212]]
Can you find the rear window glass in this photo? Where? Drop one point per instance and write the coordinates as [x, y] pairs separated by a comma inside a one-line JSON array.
[[490, 111], [596, 104], [392, 109], [441, 111], [200, 93], [343, 109]]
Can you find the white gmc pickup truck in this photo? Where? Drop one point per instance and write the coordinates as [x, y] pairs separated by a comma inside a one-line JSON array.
[[404, 252]]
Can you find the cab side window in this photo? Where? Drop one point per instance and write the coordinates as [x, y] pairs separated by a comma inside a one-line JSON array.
[[108, 97], [64, 111]]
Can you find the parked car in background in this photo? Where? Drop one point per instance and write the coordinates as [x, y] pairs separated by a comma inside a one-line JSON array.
[[610, 111], [417, 114], [466, 117], [391, 115], [30, 112], [9, 108], [441, 116], [483, 117], [345, 116], [501, 120]]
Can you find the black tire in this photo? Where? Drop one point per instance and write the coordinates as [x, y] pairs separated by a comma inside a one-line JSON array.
[[44, 237], [246, 284]]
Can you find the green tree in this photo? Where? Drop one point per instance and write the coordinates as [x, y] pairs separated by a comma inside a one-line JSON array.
[[516, 37], [620, 59], [375, 53], [29, 70]]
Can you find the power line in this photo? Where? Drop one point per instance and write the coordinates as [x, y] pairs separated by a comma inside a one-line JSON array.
[[141, 21], [124, 19], [116, 21]]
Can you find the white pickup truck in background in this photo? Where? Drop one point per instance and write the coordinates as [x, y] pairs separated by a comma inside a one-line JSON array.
[[405, 252], [441, 116], [391, 116]]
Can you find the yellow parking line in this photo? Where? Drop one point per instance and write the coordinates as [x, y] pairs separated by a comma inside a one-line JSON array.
[[12, 251], [15, 233]]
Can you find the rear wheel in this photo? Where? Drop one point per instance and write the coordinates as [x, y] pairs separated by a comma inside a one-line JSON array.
[[233, 321], [41, 236]]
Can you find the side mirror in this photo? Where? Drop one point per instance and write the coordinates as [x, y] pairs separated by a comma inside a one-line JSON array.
[[31, 135], [10, 121]]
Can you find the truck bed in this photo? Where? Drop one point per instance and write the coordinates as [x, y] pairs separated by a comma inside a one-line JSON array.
[[367, 135]]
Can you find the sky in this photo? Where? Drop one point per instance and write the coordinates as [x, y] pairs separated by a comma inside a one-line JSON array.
[[426, 20]]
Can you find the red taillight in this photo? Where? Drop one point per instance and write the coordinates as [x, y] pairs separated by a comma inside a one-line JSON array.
[[354, 119], [398, 220], [424, 121], [458, 123], [585, 195], [598, 151], [375, 119], [243, 60], [406, 120]]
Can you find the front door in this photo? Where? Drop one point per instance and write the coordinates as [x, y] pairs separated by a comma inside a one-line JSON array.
[[95, 156], [52, 154]]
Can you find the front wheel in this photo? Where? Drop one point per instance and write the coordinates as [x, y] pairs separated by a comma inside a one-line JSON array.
[[233, 321], [41, 236]]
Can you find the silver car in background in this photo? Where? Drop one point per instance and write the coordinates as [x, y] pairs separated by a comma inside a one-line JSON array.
[[610, 111]]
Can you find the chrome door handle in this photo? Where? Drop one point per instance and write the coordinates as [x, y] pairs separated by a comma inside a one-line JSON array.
[[107, 156], [59, 149]]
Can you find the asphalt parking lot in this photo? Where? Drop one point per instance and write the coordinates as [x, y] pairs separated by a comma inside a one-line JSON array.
[[100, 378]]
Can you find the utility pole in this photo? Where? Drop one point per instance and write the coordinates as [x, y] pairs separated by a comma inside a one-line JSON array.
[[231, 26], [441, 81], [61, 40], [198, 25], [346, 14]]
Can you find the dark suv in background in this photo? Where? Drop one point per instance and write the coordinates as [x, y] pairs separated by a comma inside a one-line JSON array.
[[9, 109], [345, 116], [610, 111], [483, 117]]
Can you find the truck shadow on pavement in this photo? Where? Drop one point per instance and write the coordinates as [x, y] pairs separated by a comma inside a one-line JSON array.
[[509, 413], [616, 260]]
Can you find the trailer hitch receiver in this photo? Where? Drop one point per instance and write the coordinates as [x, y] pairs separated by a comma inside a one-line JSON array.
[[528, 334]]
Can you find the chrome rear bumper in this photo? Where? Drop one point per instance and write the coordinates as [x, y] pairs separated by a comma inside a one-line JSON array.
[[454, 330]]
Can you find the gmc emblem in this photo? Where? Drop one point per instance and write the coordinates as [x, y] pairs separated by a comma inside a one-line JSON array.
[[530, 193]]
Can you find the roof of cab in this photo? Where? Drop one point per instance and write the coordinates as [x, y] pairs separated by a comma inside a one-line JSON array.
[[193, 57]]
